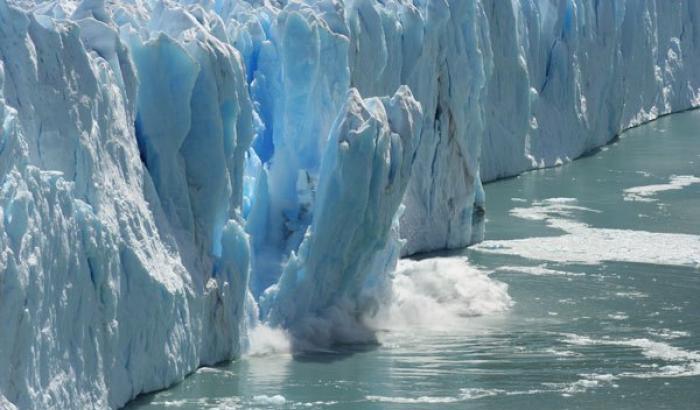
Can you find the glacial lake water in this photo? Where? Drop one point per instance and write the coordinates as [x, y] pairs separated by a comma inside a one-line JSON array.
[[602, 261]]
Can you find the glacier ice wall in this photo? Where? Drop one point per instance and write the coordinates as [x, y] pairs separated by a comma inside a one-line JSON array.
[[174, 172], [570, 75], [102, 294]]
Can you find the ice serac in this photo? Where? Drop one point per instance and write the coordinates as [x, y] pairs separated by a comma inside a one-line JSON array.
[[348, 251], [204, 165]]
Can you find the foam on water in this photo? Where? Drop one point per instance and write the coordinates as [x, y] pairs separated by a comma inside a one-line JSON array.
[[261, 401], [223, 403], [618, 316], [649, 348], [539, 270], [464, 395], [689, 369], [276, 400], [316, 404], [566, 389], [631, 295], [668, 334], [550, 207], [681, 362], [416, 400], [587, 382], [582, 243], [562, 353], [646, 193]]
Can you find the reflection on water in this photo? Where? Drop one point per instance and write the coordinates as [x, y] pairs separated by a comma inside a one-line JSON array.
[[602, 261]]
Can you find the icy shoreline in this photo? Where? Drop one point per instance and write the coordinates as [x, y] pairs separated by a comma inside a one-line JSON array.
[[173, 174]]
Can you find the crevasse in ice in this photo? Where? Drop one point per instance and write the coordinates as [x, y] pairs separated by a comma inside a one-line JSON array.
[[175, 172]]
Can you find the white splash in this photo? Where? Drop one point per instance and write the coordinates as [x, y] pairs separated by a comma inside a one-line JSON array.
[[439, 292], [215, 370], [266, 340]]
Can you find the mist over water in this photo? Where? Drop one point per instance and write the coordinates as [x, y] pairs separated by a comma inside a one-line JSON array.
[[584, 295]]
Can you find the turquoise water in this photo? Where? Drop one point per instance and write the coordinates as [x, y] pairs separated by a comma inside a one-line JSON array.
[[602, 261]]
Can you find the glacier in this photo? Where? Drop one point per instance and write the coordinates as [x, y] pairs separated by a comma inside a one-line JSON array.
[[176, 174]]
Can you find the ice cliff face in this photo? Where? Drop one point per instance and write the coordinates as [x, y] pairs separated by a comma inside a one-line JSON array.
[[104, 292], [173, 173], [569, 75]]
